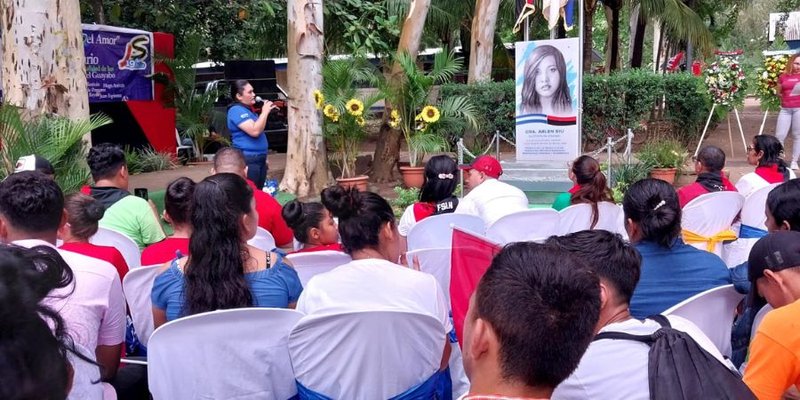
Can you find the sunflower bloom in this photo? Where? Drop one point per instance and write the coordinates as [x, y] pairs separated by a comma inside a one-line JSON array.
[[430, 114], [394, 124], [329, 110], [394, 119], [319, 99], [360, 121], [355, 107], [335, 116]]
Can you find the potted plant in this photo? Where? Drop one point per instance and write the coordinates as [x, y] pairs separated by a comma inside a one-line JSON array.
[[345, 114], [416, 113], [664, 157]]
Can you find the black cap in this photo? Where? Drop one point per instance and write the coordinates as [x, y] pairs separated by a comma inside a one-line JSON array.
[[776, 251]]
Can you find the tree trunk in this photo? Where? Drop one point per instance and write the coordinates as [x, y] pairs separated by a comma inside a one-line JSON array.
[[588, 23], [44, 69], [638, 26], [612, 9], [387, 149], [99, 12], [306, 162], [482, 43]]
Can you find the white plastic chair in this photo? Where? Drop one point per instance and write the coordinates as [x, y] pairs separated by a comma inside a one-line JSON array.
[[126, 246], [365, 355], [435, 231], [529, 225], [758, 318], [713, 312], [226, 354], [435, 262], [138, 286], [710, 214], [752, 215], [263, 240], [578, 217], [313, 263]]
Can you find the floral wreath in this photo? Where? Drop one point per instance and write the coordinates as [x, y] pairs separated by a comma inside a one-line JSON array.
[[767, 89], [726, 82]]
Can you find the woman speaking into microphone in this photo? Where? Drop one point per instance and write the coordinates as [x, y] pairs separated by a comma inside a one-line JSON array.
[[247, 129]]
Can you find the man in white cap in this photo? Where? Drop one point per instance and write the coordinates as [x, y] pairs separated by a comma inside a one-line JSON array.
[[489, 198]]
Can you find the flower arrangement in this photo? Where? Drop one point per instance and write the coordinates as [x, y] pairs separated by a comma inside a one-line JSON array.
[[725, 81], [767, 89]]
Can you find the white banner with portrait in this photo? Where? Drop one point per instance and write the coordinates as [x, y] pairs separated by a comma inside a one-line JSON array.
[[548, 94]]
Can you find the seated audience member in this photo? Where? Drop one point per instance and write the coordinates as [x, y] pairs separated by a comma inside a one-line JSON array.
[[372, 281], [764, 152], [710, 178], [774, 361], [35, 163], [313, 226], [672, 271], [514, 352], [489, 198], [34, 347], [177, 213], [93, 307], [135, 217], [590, 187], [616, 369], [435, 196], [223, 271], [232, 161], [83, 213]]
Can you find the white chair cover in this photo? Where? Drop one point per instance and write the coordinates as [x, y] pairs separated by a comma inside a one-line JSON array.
[[365, 355], [578, 217], [434, 232], [435, 262], [758, 318], [753, 215], [263, 240], [225, 354], [125, 245], [529, 225], [138, 286], [309, 264], [710, 214], [713, 312]]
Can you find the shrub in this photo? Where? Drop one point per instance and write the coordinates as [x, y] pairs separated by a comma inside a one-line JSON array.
[[147, 160], [687, 105], [663, 153], [405, 198], [495, 105]]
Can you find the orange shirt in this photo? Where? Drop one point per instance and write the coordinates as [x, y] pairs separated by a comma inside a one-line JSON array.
[[775, 354]]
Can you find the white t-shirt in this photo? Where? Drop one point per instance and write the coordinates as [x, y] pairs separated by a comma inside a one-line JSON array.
[[751, 182], [407, 221], [374, 285], [492, 200], [618, 369]]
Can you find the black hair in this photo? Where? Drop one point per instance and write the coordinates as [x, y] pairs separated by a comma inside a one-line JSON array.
[[653, 205], [33, 338], [83, 214], [178, 200], [32, 202], [215, 270], [593, 187], [361, 216], [541, 342], [607, 254], [435, 188], [301, 217], [105, 160], [237, 87], [773, 153], [783, 204], [229, 159], [712, 158]]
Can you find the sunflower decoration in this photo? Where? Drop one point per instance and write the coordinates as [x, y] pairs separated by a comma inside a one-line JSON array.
[[360, 121], [319, 99], [422, 126], [394, 119], [330, 112], [355, 107], [430, 114]]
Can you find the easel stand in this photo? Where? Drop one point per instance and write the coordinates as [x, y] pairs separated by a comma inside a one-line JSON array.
[[763, 121], [730, 135]]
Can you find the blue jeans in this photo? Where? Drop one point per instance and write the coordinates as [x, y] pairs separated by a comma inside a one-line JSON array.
[[256, 169]]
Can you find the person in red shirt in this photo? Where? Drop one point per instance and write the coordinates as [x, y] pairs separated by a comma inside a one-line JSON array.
[[789, 116], [231, 160], [83, 214], [710, 178], [177, 213], [313, 226]]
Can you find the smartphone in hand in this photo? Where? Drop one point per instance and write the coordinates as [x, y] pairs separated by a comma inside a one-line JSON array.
[[141, 192]]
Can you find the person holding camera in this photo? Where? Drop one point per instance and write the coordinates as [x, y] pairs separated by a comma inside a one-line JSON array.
[[247, 129]]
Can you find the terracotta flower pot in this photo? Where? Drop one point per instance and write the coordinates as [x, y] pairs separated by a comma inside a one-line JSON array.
[[665, 174], [359, 182], [413, 177]]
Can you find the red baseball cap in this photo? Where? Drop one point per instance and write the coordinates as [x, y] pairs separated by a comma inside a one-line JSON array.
[[486, 164]]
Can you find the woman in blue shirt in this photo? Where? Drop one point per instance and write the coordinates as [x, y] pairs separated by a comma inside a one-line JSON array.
[[247, 130], [223, 271]]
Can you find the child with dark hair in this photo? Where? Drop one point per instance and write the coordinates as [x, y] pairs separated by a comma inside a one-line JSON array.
[[178, 213], [313, 226], [710, 177], [766, 154], [590, 187], [435, 196]]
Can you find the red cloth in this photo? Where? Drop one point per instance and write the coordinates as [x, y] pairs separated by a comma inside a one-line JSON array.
[[105, 253], [423, 210], [324, 247], [694, 190], [86, 189], [574, 189], [787, 83], [770, 173], [165, 250], [470, 258], [269, 217]]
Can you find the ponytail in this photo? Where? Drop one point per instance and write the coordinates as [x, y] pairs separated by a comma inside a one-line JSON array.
[[592, 183]]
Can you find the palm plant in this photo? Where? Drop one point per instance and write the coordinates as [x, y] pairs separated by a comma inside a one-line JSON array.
[[58, 139], [413, 112]]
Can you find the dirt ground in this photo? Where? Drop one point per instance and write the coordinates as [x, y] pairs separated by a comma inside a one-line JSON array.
[[750, 116]]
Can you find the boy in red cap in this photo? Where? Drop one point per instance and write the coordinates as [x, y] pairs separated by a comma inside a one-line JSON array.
[[489, 198]]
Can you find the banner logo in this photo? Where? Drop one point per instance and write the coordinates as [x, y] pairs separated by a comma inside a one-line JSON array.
[[136, 52]]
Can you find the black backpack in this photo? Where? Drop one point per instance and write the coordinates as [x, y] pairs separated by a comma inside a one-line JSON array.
[[678, 368]]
